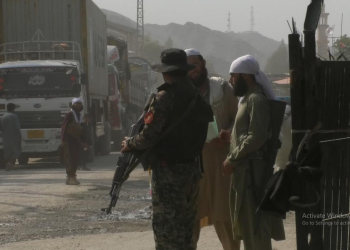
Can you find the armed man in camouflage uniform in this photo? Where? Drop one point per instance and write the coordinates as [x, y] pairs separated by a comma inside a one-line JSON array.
[[176, 174]]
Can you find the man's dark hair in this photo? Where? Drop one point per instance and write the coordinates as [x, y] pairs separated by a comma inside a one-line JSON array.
[[176, 73], [252, 76], [11, 107]]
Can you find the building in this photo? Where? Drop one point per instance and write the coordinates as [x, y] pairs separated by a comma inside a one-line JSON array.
[[282, 87], [322, 38], [280, 84]]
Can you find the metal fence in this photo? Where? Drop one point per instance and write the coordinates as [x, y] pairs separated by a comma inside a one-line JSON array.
[[326, 101], [335, 192]]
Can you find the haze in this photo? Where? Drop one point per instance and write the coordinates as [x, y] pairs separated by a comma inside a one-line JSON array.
[[270, 15]]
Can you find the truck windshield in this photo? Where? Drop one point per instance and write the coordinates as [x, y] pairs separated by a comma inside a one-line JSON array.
[[40, 81]]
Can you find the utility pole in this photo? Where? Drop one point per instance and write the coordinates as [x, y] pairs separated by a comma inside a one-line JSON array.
[[252, 22], [341, 26], [229, 23], [140, 27]]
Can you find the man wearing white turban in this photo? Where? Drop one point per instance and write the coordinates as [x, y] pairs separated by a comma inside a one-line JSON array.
[[249, 135], [249, 65], [71, 136], [213, 200]]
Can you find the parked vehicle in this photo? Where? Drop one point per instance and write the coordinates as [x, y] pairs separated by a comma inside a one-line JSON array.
[[136, 81], [66, 58]]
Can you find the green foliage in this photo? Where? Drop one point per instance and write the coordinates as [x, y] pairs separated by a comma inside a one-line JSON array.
[[339, 47], [152, 50], [278, 62]]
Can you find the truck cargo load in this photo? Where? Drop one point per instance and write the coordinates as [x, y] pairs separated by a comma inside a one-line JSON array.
[[79, 21], [50, 52]]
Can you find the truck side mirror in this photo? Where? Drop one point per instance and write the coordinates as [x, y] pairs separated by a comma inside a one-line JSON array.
[[84, 79]]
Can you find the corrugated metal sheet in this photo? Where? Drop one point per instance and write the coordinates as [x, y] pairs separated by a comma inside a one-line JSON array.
[[57, 19], [97, 47], [60, 20]]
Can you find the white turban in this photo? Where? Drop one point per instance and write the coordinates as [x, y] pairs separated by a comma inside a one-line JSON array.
[[75, 100], [248, 65], [79, 119], [192, 52]]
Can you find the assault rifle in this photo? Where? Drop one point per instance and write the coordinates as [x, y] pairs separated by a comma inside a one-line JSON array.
[[127, 162], [272, 146]]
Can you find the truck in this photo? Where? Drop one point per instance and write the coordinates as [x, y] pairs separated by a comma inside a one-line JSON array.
[[116, 110], [136, 82], [41, 73]]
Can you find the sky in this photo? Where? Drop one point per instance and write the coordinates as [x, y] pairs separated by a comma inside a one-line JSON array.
[[270, 16]]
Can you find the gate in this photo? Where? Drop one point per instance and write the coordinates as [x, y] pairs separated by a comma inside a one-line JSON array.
[[320, 92]]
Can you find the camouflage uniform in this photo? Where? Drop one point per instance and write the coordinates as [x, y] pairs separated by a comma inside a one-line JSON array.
[[175, 185], [174, 199]]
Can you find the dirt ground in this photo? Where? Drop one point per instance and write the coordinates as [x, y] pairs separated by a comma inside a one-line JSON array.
[[38, 211]]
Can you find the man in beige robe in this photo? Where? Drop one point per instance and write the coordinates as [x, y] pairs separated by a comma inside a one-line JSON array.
[[245, 161], [213, 202]]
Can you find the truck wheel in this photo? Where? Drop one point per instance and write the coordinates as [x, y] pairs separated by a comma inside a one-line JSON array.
[[23, 159], [2, 160]]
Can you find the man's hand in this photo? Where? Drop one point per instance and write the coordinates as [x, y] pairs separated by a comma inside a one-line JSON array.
[[227, 168], [125, 147], [225, 135]]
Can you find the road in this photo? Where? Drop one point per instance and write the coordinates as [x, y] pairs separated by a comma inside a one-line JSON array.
[[38, 211]]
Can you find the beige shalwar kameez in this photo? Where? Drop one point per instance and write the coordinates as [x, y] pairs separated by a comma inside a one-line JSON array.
[[213, 203]]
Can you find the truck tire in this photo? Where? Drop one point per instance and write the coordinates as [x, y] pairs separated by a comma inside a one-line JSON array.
[[23, 159], [106, 141], [2, 160]]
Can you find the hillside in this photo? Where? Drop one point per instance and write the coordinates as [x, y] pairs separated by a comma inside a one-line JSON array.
[[219, 48]]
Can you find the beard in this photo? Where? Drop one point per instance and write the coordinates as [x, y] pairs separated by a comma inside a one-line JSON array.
[[76, 109], [201, 79], [240, 87]]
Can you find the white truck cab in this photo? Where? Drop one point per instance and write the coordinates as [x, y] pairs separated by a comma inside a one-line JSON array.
[[42, 92]]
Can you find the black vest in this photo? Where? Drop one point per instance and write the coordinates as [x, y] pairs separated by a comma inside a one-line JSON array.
[[185, 142]]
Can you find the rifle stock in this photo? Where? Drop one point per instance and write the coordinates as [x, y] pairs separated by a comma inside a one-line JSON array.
[[126, 163], [273, 145], [277, 112]]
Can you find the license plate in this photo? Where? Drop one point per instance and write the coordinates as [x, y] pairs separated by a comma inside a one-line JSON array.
[[35, 134]]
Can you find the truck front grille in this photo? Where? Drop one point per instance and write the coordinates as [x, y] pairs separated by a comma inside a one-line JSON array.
[[43, 119]]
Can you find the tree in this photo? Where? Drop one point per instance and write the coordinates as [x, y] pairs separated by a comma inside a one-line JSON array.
[[278, 62], [151, 50], [169, 43], [342, 45]]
